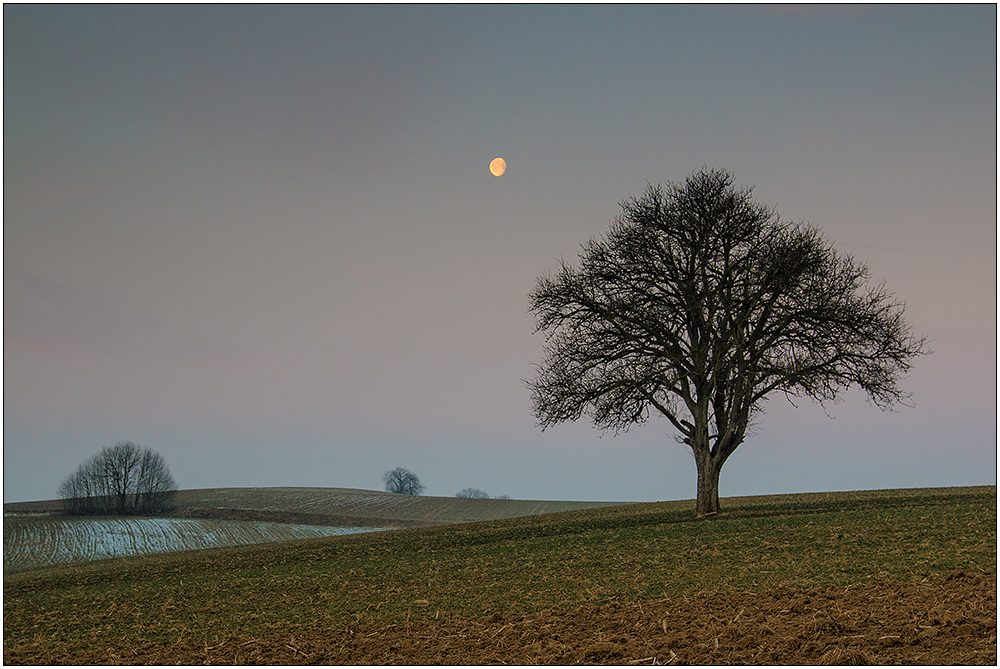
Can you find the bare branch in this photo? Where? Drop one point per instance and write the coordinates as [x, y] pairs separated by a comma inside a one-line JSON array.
[[698, 303], [123, 479]]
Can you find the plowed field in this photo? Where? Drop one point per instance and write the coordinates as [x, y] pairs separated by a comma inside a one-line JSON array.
[[42, 542], [943, 621], [878, 577]]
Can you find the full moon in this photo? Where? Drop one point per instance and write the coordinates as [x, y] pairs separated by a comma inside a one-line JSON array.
[[498, 166]]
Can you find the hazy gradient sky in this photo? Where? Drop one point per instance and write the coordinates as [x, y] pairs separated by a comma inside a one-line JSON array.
[[265, 241]]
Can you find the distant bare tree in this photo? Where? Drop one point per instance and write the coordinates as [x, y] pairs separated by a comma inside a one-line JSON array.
[[472, 493], [403, 482], [699, 304], [123, 479]]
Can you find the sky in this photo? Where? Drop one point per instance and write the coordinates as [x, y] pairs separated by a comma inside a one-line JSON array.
[[264, 241]]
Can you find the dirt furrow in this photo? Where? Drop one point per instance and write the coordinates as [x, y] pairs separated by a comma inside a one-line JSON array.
[[945, 621]]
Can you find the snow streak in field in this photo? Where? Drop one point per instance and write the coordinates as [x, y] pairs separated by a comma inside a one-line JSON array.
[[49, 541]]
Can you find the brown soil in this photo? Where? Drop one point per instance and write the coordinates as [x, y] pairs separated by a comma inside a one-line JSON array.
[[945, 621]]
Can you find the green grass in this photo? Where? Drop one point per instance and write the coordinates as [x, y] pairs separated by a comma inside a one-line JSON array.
[[613, 554]]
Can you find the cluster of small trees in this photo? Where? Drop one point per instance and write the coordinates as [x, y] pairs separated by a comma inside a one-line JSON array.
[[476, 493], [472, 493], [123, 479]]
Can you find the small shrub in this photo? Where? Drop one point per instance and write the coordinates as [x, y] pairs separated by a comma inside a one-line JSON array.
[[472, 493]]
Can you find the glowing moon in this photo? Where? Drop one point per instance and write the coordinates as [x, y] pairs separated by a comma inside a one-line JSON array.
[[498, 166]]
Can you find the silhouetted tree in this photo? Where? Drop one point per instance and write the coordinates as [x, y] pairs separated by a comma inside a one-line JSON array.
[[697, 305], [472, 493], [123, 479], [402, 481]]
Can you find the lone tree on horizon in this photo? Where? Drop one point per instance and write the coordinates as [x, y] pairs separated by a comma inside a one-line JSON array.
[[402, 481], [697, 305], [472, 493], [123, 479]]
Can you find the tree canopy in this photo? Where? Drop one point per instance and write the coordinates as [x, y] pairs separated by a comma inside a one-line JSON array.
[[124, 479], [402, 481], [472, 493], [697, 305]]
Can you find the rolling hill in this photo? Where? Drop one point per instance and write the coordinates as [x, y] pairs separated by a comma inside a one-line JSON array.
[[341, 507]]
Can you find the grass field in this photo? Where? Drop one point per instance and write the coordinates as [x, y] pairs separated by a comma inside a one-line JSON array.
[[621, 554]]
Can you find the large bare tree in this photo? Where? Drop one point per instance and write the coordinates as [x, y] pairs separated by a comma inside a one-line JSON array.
[[123, 479], [698, 304]]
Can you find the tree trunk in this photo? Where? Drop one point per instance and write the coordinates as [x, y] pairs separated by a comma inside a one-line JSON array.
[[708, 486]]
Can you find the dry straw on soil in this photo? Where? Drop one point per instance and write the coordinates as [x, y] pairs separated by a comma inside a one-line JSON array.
[[879, 576], [945, 621]]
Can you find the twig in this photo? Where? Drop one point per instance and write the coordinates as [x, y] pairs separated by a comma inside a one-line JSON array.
[[296, 650]]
